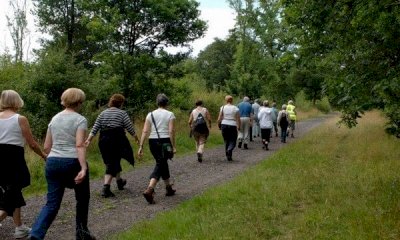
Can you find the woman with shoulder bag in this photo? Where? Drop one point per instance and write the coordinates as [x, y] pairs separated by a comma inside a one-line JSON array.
[[159, 127]]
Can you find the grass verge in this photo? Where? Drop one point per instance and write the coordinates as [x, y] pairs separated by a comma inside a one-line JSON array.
[[335, 183]]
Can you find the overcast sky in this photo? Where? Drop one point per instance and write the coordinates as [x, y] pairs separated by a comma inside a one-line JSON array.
[[219, 16]]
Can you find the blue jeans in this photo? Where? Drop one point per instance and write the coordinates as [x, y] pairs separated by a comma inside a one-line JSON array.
[[60, 174]]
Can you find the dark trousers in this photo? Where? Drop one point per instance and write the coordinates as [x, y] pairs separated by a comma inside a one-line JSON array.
[[60, 174], [161, 170], [283, 133], [266, 134], [230, 134]]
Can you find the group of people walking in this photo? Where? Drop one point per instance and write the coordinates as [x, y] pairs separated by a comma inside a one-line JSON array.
[[65, 146]]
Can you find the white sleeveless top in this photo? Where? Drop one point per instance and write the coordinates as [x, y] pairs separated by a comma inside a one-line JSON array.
[[229, 114], [10, 131]]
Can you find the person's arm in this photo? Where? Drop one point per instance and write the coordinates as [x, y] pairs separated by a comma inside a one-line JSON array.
[[208, 116], [190, 119], [128, 125], [238, 123], [145, 133], [95, 129], [27, 134], [220, 115], [171, 130], [278, 120], [81, 150], [48, 143]]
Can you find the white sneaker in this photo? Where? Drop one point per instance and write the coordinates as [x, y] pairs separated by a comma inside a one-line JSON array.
[[22, 231]]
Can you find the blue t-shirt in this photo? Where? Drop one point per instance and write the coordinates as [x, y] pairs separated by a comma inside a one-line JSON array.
[[245, 109]]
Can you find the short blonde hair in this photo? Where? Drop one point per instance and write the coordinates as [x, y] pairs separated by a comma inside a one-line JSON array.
[[266, 103], [10, 99], [72, 97], [229, 99]]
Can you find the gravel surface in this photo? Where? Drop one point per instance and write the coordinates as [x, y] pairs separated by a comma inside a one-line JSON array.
[[112, 215]]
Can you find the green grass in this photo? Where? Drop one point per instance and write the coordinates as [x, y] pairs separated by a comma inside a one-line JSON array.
[[335, 183]]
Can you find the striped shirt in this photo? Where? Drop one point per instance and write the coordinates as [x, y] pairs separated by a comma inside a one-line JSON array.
[[113, 118]]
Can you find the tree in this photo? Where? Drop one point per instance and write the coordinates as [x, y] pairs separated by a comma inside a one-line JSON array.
[[17, 25], [356, 45], [214, 62]]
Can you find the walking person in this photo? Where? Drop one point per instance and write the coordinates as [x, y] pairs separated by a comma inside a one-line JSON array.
[[14, 174], [256, 123], [266, 124], [66, 166], [283, 122], [200, 123], [229, 120], [159, 126], [291, 109], [113, 143], [275, 118], [246, 116]]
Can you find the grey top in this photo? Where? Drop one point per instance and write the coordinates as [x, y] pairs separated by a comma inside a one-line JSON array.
[[63, 127]]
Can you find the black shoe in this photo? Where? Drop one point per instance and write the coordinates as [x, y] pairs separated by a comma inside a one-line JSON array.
[[148, 194], [170, 190], [121, 183], [245, 146], [292, 136], [266, 147], [199, 157], [240, 145], [276, 134], [106, 192]]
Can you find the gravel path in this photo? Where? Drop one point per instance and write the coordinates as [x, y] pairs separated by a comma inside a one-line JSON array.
[[112, 215]]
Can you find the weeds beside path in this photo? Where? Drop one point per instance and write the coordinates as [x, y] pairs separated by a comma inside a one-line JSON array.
[[112, 215]]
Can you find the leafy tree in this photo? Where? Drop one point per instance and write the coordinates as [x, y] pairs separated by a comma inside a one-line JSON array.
[[356, 44], [214, 62]]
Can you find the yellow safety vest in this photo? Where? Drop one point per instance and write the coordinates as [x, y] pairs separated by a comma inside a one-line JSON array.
[[290, 109]]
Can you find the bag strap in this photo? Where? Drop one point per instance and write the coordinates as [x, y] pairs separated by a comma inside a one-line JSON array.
[[155, 126]]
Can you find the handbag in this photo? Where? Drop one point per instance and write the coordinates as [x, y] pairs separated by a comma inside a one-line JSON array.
[[167, 151]]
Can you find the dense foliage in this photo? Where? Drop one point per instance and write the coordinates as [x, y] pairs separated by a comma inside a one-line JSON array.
[[346, 51]]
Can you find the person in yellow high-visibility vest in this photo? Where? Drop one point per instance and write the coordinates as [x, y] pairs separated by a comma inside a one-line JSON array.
[[292, 115]]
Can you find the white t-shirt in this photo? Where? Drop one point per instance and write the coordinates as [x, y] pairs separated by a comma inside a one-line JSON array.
[[162, 117], [229, 114], [63, 127], [265, 117]]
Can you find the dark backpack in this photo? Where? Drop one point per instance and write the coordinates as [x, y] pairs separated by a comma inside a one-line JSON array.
[[283, 122], [200, 124]]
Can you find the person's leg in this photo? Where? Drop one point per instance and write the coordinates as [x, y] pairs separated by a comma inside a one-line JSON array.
[[267, 137], [233, 135], [246, 126], [55, 192], [82, 196], [106, 191], [3, 215], [17, 217], [293, 127], [200, 148], [240, 135]]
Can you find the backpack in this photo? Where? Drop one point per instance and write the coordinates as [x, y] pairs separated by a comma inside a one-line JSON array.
[[200, 124], [283, 121]]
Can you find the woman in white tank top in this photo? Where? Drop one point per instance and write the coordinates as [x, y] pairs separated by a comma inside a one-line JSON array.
[[14, 174]]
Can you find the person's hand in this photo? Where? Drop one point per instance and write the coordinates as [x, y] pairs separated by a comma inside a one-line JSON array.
[[87, 143], [140, 152], [80, 177]]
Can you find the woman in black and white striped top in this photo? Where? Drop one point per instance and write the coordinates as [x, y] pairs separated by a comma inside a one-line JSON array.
[[113, 142]]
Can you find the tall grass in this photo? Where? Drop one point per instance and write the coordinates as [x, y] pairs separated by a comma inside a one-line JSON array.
[[336, 183]]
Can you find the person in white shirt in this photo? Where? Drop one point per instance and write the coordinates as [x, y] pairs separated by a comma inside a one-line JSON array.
[[265, 116], [229, 119], [160, 128], [14, 173]]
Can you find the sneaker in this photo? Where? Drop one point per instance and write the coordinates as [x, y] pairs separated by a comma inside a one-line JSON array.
[[170, 190], [22, 231], [121, 183], [199, 157], [148, 194]]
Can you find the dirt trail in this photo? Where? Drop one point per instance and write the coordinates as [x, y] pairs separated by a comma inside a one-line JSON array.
[[112, 215]]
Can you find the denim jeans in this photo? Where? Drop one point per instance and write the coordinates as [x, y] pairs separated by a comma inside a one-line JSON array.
[[60, 174], [283, 134]]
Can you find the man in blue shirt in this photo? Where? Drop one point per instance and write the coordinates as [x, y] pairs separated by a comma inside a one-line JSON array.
[[246, 118]]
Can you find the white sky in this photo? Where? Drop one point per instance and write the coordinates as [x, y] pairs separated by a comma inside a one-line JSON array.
[[219, 16]]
